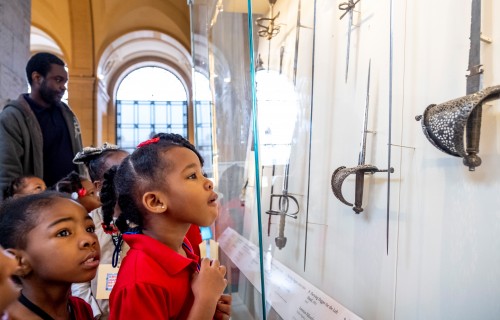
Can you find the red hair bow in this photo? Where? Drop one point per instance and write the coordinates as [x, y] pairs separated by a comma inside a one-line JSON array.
[[109, 229], [150, 141], [82, 192]]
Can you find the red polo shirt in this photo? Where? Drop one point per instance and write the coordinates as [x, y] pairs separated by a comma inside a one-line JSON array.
[[80, 309], [154, 281]]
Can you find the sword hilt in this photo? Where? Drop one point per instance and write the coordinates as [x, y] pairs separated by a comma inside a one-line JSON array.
[[280, 240]]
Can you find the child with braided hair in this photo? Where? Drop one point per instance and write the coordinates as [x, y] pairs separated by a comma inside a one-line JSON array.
[[159, 191], [98, 160], [81, 189]]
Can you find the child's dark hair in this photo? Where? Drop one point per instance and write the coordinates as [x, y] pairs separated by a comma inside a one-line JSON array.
[[95, 159], [16, 185], [69, 184], [141, 170], [19, 215]]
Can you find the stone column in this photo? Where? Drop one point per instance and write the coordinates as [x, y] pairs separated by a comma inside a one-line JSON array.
[[15, 23]]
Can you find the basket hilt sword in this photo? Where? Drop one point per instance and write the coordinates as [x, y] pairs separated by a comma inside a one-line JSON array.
[[284, 206], [286, 203], [454, 127]]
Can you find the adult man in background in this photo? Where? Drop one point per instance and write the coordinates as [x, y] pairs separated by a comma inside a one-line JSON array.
[[39, 134]]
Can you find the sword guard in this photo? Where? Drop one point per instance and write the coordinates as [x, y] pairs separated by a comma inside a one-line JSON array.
[[445, 124], [341, 173]]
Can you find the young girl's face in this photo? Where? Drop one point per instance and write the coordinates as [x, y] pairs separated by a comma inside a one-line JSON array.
[[8, 290], [90, 200], [190, 196], [31, 185], [63, 246]]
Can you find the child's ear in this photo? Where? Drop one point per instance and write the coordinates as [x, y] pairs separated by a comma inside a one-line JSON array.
[[23, 265], [98, 185], [154, 202]]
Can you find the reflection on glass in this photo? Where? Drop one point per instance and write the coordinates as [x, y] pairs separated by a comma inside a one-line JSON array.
[[277, 115]]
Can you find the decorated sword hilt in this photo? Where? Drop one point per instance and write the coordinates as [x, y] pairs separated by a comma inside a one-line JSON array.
[[341, 173], [447, 125]]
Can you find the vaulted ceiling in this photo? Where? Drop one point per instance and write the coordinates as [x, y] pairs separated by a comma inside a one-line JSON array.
[[100, 22]]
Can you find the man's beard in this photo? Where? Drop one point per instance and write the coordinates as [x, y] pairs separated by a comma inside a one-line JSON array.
[[48, 95]]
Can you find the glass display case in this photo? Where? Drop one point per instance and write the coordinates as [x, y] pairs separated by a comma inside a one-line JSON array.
[[333, 205]]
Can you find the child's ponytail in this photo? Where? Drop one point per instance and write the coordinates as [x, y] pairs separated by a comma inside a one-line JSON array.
[[69, 184], [108, 197]]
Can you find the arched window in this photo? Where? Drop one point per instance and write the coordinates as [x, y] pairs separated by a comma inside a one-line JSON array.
[[149, 100]]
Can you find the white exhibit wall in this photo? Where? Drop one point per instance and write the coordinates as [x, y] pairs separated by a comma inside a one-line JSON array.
[[443, 260]]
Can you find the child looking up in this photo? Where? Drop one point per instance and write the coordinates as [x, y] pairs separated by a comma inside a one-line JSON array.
[[53, 240], [98, 161], [24, 185], [81, 189], [8, 290], [161, 190]]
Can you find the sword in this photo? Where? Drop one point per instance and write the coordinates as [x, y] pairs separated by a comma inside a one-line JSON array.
[[297, 37], [310, 140], [284, 201], [270, 201], [389, 135], [474, 84], [270, 30], [282, 52], [445, 124], [348, 7], [341, 173]]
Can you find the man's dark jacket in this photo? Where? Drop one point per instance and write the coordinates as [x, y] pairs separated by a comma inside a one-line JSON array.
[[21, 141]]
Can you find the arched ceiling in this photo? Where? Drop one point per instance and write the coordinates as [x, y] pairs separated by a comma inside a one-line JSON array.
[[109, 20], [151, 45]]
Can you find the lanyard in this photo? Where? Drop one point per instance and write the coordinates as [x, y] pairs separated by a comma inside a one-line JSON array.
[[39, 311], [190, 250]]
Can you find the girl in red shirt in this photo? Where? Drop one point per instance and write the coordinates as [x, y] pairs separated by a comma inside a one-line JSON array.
[[52, 238], [159, 191]]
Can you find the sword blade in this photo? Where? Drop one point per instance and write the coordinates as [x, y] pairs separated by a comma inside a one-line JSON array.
[[475, 72], [474, 84], [362, 152], [348, 45], [360, 175], [297, 38], [389, 136]]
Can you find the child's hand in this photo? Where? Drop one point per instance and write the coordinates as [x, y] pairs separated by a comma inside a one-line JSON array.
[[223, 310], [209, 283]]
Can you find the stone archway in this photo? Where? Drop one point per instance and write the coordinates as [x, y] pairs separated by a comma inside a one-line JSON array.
[[131, 51]]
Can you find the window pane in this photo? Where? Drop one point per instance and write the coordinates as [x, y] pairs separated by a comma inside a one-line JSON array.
[[150, 100]]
